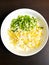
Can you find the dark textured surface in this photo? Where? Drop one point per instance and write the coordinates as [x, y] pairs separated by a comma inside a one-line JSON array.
[[7, 58]]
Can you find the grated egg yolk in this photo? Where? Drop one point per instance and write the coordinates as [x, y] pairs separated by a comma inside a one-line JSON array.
[[31, 39]]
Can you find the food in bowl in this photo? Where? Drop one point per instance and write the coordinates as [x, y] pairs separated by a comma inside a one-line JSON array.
[[24, 32]]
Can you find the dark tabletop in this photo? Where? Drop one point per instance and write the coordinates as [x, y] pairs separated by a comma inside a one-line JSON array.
[[6, 57]]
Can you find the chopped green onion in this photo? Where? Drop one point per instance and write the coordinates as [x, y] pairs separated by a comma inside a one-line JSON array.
[[23, 22]]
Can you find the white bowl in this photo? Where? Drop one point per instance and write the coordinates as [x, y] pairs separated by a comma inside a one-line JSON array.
[[6, 23]]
